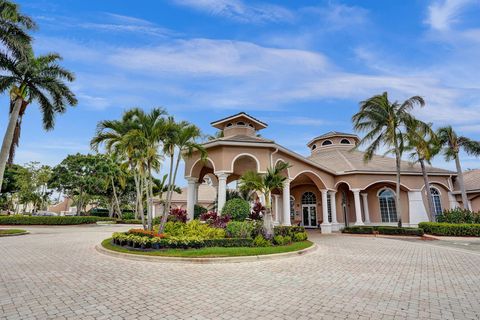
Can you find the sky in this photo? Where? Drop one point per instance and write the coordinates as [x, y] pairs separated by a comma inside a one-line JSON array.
[[301, 66]]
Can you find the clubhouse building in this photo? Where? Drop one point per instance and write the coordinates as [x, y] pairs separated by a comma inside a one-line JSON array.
[[331, 188]]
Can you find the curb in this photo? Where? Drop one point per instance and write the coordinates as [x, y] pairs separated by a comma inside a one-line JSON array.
[[14, 234], [272, 256]]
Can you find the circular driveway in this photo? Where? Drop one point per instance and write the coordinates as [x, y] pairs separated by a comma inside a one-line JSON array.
[[56, 273]]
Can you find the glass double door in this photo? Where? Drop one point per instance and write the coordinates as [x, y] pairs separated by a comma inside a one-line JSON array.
[[309, 215]]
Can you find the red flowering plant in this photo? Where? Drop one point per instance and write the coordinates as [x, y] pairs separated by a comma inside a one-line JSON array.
[[178, 215], [215, 220], [146, 233], [258, 211]]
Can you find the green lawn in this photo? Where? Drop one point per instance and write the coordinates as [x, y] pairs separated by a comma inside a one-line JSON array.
[[211, 252], [11, 231]]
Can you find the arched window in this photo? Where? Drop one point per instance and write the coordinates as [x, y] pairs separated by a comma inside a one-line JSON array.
[[314, 147], [292, 208], [437, 202], [240, 123], [251, 125], [388, 210], [309, 198], [229, 124], [326, 143], [345, 141]]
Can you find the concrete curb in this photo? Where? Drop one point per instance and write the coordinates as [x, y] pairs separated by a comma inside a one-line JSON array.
[[14, 234], [138, 257]]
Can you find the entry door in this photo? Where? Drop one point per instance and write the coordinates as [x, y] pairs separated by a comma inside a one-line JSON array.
[[309, 215]]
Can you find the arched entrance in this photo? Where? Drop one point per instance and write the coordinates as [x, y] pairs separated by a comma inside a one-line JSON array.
[[309, 210]]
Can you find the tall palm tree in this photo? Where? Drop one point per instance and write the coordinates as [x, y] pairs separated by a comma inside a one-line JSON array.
[[423, 146], [452, 143], [40, 79], [272, 180], [14, 27], [385, 123], [182, 137]]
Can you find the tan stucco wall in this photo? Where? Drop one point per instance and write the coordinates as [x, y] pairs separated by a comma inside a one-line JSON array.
[[412, 182], [297, 193], [374, 204], [476, 203]]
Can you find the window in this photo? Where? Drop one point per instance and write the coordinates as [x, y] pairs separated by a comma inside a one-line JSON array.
[[229, 124], [240, 123], [326, 142], [345, 141], [251, 125], [329, 206], [437, 202], [388, 210], [309, 198], [292, 208], [314, 147]]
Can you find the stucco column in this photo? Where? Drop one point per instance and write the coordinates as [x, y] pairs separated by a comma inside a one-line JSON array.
[[333, 205], [453, 201], [326, 226], [196, 192], [222, 190], [358, 208], [277, 212], [365, 207], [286, 203], [191, 197]]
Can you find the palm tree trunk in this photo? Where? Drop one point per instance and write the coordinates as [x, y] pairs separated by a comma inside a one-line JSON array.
[[166, 208], [148, 186], [138, 187], [397, 189], [268, 220], [461, 183], [8, 138], [431, 207], [117, 204]]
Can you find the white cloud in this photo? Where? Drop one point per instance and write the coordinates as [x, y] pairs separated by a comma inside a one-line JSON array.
[[240, 11], [442, 14]]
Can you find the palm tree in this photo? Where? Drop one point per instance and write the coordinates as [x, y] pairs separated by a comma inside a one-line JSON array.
[[182, 137], [385, 123], [452, 143], [13, 29], [423, 145], [272, 180], [39, 79]]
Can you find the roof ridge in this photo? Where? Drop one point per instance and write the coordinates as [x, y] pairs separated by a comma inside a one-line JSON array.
[[345, 158]]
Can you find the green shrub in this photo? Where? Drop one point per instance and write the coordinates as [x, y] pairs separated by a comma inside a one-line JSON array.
[[281, 240], [358, 230], [299, 236], [287, 230], [198, 211], [99, 212], [128, 215], [459, 215], [399, 231], [193, 228], [240, 229], [50, 220], [451, 229], [260, 241], [237, 209]]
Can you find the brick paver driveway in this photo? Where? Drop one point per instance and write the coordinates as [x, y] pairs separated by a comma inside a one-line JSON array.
[[56, 273]]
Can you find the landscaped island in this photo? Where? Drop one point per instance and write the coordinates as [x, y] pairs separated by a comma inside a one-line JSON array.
[[12, 232]]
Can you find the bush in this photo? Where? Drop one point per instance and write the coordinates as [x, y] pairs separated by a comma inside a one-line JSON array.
[[451, 229], [258, 211], [99, 212], [299, 236], [50, 220], [214, 220], [146, 233], [240, 229], [281, 241], [359, 230], [399, 231], [198, 211], [260, 241], [459, 215], [128, 215], [193, 228], [237, 209], [287, 230], [178, 215]]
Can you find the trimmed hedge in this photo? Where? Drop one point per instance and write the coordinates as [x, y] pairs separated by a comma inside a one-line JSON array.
[[50, 220], [287, 230], [238, 209], [451, 229], [384, 230]]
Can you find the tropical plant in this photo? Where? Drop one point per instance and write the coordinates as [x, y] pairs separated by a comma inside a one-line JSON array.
[[385, 123], [423, 146], [29, 79], [272, 180], [14, 27], [451, 144], [238, 209]]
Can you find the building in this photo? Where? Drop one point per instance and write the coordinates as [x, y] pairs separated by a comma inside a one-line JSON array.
[[331, 188]]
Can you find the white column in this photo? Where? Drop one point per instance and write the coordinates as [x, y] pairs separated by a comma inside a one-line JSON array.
[[277, 212], [333, 204], [365, 207], [358, 208], [453, 201], [191, 197], [222, 190], [326, 226], [286, 203], [416, 208], [196, 192], [470, 205]]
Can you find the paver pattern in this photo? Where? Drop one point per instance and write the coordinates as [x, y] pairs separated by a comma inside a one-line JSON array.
[[55, 273]]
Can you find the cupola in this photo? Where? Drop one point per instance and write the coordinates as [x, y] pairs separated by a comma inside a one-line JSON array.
[[239, 124], [333, 139]]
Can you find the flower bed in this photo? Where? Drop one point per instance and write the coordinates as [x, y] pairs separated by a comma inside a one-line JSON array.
[[451, 229], [49, 220], [387, 230]]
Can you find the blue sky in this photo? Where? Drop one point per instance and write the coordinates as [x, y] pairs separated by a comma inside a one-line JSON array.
[[301, 66]]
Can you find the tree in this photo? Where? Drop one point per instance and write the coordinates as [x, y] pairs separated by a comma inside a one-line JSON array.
[[182, 137], [272, 180], [452, 143], [423, 146], [29, 79], [385, 123], [14, 27]]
